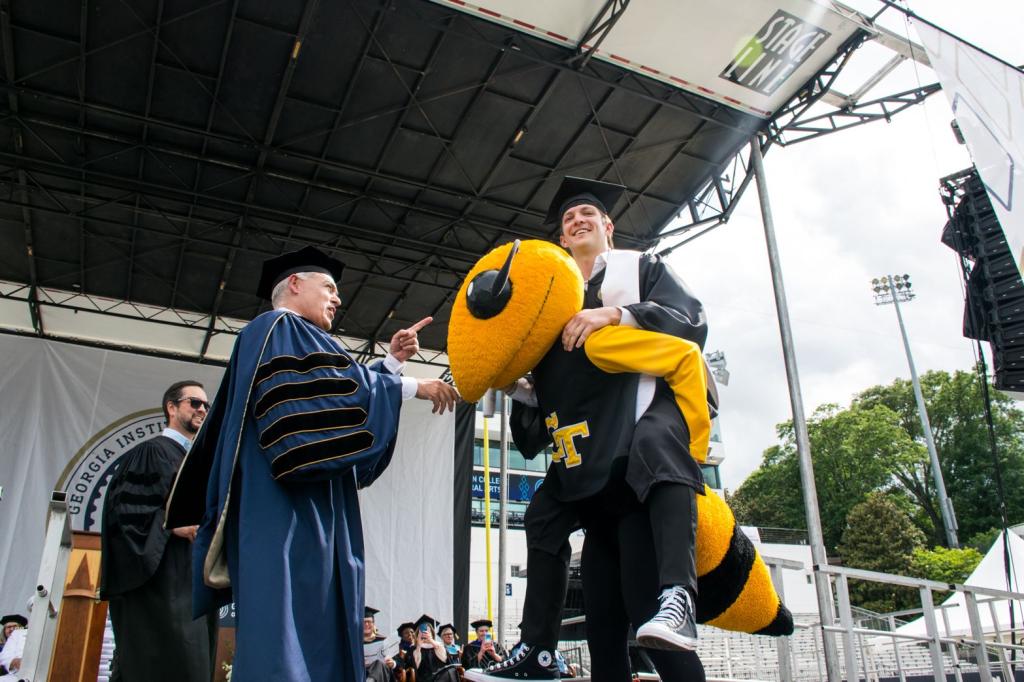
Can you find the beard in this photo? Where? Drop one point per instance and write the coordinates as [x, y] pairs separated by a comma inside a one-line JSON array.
[[189, 425]]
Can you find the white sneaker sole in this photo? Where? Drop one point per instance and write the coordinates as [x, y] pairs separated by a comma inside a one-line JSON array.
[[657, 636], [482, 676]]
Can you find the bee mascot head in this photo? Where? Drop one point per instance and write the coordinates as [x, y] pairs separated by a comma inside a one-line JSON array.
[[509, 311], [506, 316]]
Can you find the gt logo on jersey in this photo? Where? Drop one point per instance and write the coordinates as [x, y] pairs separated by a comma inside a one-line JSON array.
[[565, 447]]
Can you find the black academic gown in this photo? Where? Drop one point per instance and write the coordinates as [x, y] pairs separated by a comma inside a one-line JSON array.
[[658, 443], [430, 666], [146, 574], [471, 651]]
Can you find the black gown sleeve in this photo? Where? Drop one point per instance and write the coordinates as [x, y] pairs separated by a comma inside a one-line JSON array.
[[469, 656], [667, 305], [528, 430]]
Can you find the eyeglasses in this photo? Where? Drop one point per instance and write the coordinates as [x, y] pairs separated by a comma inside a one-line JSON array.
[[196, 403]]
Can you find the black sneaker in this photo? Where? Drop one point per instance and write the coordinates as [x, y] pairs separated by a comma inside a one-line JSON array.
[[526, 663], [674, 627]]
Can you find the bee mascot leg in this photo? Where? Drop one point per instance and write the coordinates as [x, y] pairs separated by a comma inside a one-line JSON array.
[[621, 586]]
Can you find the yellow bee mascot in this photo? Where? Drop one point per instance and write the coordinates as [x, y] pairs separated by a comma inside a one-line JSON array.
[[508, 313]]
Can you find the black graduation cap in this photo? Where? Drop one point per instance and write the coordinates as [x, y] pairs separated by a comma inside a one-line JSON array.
[[483, 622], [576, 191], [426, 619], [405, 626], [370, 612], [14, 618], [306, 259], [448, 626]]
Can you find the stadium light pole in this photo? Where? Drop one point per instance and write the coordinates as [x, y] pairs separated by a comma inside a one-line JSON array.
[[895, 289]]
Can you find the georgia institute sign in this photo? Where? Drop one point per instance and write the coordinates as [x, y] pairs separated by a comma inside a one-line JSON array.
[[85, 477]]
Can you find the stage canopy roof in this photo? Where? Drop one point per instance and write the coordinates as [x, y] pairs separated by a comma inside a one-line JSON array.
[[152, 154]]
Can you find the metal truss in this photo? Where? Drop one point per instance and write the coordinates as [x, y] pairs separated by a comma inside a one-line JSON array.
[[599, 29], [814, 90], [851, 115], [796, 123], [714, 203], [215, 219], [48, 298]]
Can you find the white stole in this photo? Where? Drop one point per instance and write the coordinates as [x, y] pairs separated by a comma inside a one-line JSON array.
[[621, 287]]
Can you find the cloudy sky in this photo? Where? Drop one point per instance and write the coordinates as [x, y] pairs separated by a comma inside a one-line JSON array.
[[848, 207]]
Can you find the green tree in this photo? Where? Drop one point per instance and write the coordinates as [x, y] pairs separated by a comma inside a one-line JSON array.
[[874, 524], [982, 541], [854, 452], [956, 412], [770, 497], [944, 564]]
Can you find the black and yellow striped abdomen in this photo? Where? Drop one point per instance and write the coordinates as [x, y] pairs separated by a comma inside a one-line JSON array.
[[735, 590]]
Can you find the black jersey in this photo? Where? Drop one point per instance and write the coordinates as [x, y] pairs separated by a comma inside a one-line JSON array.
[[588, 416], [588, 422]]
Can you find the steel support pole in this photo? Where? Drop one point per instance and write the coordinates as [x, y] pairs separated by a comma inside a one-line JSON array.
[[945, 506], [502, 520], [487, 504], [803, 444]]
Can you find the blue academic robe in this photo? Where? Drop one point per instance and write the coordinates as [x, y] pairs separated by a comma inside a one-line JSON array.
[[296, 428]]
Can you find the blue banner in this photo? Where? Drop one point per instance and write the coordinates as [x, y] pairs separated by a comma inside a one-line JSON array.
[[520, 486]]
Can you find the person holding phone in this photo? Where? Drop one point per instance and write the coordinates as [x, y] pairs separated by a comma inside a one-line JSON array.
[[483, 651], [429, 656]]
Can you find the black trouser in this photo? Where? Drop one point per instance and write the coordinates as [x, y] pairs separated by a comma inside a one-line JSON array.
[[548, 525], [671, 510], [672, 520], [621, 583]]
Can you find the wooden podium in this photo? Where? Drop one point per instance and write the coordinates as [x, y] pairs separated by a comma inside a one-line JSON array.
[[82, 616]]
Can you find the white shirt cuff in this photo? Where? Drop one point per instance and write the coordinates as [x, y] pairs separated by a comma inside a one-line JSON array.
[[526, 396], [627, 318], [409, 386], [393, 364]]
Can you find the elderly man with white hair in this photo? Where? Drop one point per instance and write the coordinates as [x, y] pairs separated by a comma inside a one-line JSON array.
[[296, 428]]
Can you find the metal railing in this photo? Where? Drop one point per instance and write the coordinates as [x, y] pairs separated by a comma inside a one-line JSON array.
[[992, 648], [872, 646]]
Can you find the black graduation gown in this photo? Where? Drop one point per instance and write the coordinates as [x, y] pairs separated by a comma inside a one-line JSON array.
[[472, 650], [658, 444], [146, 573], [428, 667]]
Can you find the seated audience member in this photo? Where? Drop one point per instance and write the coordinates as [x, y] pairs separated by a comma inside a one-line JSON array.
[[378, 666], [428, 657], [406, 642], [448, 637], [483, 651], [14, 644], [10, 624]]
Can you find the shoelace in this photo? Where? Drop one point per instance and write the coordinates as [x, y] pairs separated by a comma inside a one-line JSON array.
[[675, 606], [508, 662]]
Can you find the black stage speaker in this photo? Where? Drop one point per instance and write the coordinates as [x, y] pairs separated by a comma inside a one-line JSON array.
[[994, 309]]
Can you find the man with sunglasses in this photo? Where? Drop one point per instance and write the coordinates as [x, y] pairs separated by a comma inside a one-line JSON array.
[[146, 571]]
